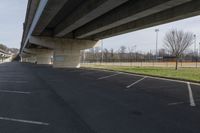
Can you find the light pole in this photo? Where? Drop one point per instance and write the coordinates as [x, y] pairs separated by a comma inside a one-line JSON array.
[[199, 49], [195, 45], [195, 50], [156, 30], [199, 52], [102, 50]]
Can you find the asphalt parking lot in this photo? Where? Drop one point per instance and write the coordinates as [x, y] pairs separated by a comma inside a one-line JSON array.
[[42, 99]]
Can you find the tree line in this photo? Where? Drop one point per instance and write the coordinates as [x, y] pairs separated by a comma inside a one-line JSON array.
[[6, 49], [176, 44]]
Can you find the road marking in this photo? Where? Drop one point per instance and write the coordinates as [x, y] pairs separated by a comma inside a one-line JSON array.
[[192, 103], [135, 82], [79, 70], [6, 81], [177, 103], [159, 78], [24, 121], [91, 72], [109, 76], [20, 92]]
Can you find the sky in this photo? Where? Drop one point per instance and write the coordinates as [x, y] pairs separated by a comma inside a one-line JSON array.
[[12, 14], [145, 40]]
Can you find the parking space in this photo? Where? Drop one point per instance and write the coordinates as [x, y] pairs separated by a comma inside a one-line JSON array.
[[87, 101], [172, 92], [29, 105]]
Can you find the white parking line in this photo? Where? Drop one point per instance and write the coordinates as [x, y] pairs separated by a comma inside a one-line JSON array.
[[19, 92], [90, 72], [177, 103], [6, 81], [109, 76], [192, 103], [135, 82], [159, 78], [79, 70], [24, 121]]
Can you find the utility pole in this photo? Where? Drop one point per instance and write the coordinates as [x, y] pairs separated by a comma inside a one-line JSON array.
[[199, 49], [83, 56], [156, 30], [194, 44], [199, 53], [195, 52], [102, 50]]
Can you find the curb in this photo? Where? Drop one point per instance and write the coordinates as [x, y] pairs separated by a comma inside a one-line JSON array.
[[148, 75]]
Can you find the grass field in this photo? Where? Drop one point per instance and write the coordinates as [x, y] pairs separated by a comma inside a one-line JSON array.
[[191, 74]]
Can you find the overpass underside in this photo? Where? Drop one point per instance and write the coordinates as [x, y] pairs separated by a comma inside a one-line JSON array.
[[58, 30]]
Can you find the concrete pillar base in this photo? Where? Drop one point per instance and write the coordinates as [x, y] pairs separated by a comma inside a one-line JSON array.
[[39, 56], [66, 51], [44, 58], [67, 55], [66, 58], [31, 59], [23, 59]]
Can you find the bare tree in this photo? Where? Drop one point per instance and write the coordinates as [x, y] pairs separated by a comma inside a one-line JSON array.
[[122, 52], [112, 54], [106, 54], [176, 42], [131, 52]]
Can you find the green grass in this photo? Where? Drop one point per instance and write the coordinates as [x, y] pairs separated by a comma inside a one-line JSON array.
[[190, 74]]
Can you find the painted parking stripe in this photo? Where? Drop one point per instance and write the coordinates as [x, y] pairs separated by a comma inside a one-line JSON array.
[[6, 81], [109, 76], [19, 92], [175, 103], [136, 82], [158, 78], [24, 121], [178, 103], [192, 103], [79, 70]]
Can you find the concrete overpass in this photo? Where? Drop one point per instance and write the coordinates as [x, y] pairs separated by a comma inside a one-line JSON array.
[[60, 29], [5, 55]]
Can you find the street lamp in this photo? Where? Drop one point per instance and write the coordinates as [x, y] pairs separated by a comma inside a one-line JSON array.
[[102, 50], [195, 51], [199, 51], [195, 45], [156, 30]]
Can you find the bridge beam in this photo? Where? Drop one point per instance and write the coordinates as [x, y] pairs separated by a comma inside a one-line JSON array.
[[86, 12], [128, 12], [173, 14]]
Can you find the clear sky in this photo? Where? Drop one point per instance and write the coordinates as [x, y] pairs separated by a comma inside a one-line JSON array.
[[12, 14]]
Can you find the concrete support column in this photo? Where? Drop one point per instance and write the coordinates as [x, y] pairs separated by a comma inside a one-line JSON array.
[[66, 52], [40, 56], [67, 55], [66, 58], [44, 58], [31, 59], [23, 59]]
